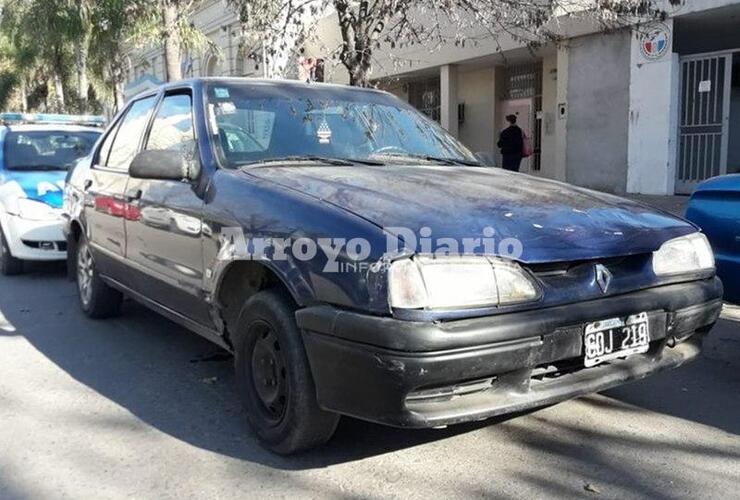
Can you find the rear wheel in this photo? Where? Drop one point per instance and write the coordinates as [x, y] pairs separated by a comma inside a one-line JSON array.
[[9, 265], [97, 299], [274, 379]]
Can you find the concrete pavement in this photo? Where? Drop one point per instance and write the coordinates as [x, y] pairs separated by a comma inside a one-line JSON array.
[[137, 408]]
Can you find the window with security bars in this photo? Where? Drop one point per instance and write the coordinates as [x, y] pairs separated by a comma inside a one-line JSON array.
[[424, 95]]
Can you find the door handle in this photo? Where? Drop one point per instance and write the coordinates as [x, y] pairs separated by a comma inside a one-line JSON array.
[[86, 185], [133, 195]]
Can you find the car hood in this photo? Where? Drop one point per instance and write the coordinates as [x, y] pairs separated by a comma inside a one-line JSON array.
[[46, 186], [553, 221]]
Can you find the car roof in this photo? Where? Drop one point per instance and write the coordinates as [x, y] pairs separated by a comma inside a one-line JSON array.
[[278, 83], [26, 127]]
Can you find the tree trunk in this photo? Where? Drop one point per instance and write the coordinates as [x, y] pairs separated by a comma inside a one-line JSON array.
[[81, 64], [118, 96], [358, 66], [358, 77], [172, 51], [59, 92], [24, 95]]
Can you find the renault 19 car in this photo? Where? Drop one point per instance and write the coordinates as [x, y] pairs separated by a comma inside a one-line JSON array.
[[358, 260]]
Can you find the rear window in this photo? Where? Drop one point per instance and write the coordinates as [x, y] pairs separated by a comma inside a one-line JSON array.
[[46, 149]]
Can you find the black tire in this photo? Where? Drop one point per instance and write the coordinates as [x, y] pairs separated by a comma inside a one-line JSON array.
[[274, 379], [9, 265], [97, 299]]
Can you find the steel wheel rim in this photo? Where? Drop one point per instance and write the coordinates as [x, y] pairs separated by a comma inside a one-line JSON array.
[[84, 273], [269, 373]]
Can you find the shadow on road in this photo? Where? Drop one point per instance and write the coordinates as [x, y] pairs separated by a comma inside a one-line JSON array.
[[706, 391], [166, 377]]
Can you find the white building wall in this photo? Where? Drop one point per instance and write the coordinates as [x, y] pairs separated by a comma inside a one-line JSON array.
[[548, 144], [476, 89]]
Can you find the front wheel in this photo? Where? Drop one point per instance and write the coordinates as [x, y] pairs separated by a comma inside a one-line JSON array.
[[97, 299], [274, 379], [9, 265]]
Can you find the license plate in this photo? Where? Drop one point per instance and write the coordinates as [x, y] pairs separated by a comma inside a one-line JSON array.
[[615, 338]]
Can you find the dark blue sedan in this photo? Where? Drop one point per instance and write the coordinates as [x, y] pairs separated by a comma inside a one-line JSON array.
[[357, 260], [715, 207]]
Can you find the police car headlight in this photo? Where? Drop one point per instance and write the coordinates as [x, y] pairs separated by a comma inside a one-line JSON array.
[[458, 282], [687, 254], [35, 210]]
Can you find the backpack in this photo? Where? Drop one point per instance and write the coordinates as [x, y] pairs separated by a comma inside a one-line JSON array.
[[527, 149]]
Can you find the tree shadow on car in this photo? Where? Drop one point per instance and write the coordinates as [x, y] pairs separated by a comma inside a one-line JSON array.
[[171, 379]]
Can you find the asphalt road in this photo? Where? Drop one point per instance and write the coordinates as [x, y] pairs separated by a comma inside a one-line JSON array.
[[133, 407]]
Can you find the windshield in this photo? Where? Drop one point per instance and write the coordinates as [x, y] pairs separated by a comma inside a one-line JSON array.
[[46, 149], [258, 122]]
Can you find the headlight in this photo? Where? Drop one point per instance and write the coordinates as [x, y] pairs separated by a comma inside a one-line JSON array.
[[687, 254], [457, 282], [35, 210]]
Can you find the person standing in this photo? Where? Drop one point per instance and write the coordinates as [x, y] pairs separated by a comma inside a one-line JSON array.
[[511, 142]]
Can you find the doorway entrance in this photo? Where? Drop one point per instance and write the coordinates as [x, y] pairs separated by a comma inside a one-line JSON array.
[[522, 109], [521, 95], [704, 119], [709, 118]]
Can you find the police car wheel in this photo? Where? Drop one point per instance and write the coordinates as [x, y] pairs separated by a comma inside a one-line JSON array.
[[9, 265], [97, 299]]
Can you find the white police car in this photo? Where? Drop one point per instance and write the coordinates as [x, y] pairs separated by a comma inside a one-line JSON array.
[[35, 153]]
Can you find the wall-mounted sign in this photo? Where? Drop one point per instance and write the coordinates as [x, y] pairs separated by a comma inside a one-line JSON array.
[[655, 41], [705, 86]]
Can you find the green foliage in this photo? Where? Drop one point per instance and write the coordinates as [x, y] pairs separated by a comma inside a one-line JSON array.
[[47, 46]]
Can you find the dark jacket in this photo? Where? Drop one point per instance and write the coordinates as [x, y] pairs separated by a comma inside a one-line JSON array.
[[511, 141]]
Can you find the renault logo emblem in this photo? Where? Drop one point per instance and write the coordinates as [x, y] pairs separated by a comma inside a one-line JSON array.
[[603, 277]]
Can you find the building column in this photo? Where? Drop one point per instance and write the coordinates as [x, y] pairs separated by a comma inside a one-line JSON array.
[[448, 98], [560, 170], [653, 120]]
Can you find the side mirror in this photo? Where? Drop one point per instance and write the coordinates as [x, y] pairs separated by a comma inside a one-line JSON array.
[[164, 164]]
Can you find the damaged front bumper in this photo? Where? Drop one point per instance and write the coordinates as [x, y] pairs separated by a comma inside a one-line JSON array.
[[424, 374]]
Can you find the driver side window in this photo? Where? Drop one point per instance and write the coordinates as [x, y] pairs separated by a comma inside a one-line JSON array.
[[125, 140], [172, 129]]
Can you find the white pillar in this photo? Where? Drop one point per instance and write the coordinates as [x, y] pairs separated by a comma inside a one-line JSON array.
[[560, 170], [494, 114], [653, 115], [448, 98]]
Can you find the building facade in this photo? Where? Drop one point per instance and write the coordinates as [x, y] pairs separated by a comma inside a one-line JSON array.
[[651, 110]]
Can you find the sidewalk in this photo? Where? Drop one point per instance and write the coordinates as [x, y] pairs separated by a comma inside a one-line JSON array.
[[673, 204]]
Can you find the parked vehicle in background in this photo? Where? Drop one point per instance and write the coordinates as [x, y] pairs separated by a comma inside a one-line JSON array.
[[302, 242], [715, 207], [35, 153]]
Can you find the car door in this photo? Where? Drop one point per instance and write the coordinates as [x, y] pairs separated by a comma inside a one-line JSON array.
[[164, 241], [105, 204]]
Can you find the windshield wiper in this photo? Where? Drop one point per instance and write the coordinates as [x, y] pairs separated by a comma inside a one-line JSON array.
[[343, 162], [437, 159], [365, 161], [297, 158]]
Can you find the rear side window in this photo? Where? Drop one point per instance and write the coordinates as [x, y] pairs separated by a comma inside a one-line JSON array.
[[172, 128], [126, 141]]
